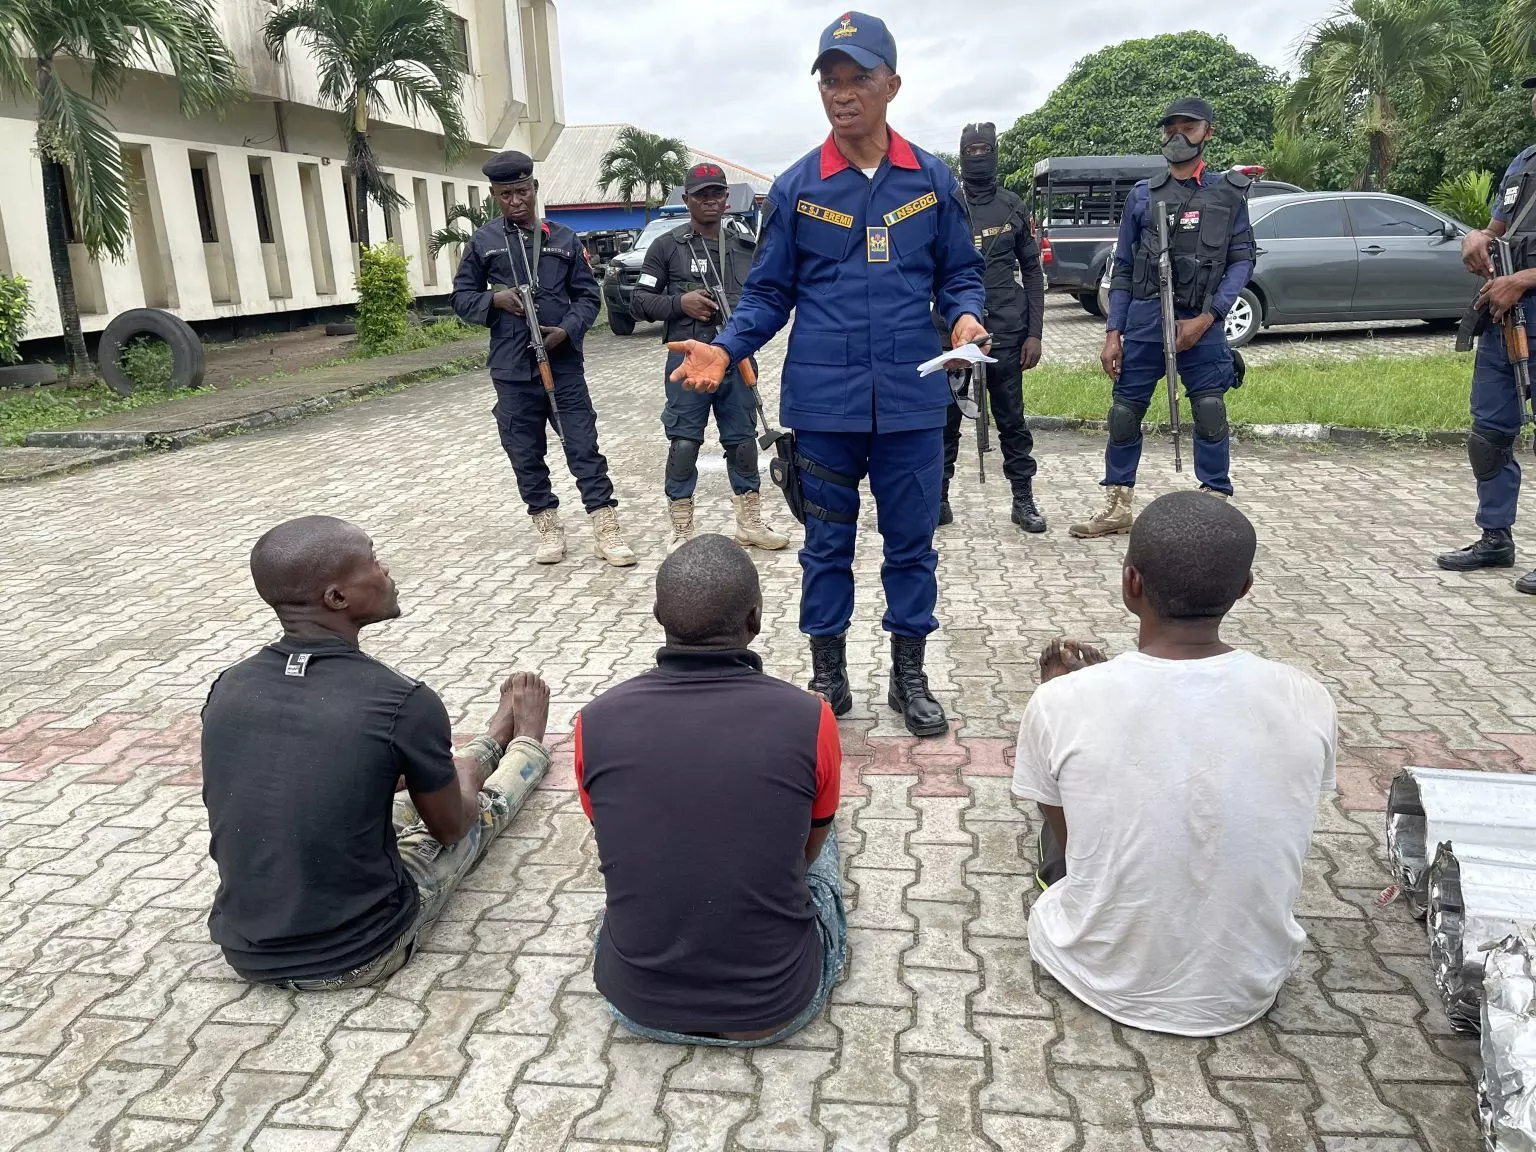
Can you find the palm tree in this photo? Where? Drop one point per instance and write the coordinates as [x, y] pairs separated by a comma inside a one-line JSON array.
[[1368, 49], [643, 160], [366, 50], [1515, 33], [104, 40], [472, 214], [1299, 159]]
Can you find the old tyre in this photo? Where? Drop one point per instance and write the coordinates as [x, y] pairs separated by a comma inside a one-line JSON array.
[[345, 328], [1244, 320], [27, 375], [186, 348]]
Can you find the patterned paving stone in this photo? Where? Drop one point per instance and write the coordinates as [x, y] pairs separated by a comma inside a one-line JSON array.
[[121, 1028]]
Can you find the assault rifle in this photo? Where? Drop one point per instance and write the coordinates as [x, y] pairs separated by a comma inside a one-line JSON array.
[[525, 293], [1170, 331], [1516, 341], [968, 388], [723, 304]]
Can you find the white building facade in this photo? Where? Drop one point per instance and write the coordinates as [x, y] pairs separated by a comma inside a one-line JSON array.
[[249, 213]]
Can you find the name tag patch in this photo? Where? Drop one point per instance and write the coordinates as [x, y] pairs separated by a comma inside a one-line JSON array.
[[830, 215], [646, 280], [877, 245], [1189, 221], [911, 208], [298, 663], [1511, 194]]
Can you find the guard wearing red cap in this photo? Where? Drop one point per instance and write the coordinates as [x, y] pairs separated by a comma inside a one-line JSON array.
[[859, 238]]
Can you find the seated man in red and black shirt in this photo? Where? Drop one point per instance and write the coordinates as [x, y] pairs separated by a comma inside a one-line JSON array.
[[712, 790]]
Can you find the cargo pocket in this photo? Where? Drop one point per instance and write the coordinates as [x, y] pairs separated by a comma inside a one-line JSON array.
[[816, 376], [909, 392]]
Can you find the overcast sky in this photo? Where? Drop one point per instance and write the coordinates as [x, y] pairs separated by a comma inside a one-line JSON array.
[[734, 78]]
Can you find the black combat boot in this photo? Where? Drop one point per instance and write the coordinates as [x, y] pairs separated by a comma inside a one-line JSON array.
[[946, 516], [909, 692], [829, 672], [1025, 514], [1496, 549], [1527, 584]]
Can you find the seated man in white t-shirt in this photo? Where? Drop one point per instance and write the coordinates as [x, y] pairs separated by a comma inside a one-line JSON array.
[[1183, 781]]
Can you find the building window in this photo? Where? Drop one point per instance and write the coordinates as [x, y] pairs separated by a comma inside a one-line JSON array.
[[204, 206], [460, 34], [263, 216]]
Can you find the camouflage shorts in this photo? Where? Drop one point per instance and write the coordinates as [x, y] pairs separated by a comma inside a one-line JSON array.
[[437, 868]]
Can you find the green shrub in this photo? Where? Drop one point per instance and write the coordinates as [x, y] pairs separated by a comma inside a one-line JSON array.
[[15, 309], [1467, 198], [148, 361], [383, 298]]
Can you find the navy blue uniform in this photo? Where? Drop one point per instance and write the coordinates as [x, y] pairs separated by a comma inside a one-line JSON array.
[[1205, 368], [568, 297], [859, 259], [1496, 405]]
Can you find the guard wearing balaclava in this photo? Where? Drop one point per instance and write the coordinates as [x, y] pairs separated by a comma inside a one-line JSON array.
[[1015, 308], [1212, 252]]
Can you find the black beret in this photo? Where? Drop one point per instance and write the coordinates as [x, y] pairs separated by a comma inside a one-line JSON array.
[[508, 168]]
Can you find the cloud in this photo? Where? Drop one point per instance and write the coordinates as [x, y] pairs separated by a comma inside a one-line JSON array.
[[734, 79]]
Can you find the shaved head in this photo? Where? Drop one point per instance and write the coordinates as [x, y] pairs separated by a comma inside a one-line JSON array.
[[708, 596], [293, 563], [1194, 553]]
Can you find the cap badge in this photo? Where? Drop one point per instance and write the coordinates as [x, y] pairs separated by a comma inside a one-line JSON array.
[[847, 29]]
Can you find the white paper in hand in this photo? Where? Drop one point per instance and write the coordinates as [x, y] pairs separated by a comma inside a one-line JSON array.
[[966, 352]]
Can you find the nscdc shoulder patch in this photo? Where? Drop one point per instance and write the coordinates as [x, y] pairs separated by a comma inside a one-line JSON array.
[[830, 215], [911, 208]]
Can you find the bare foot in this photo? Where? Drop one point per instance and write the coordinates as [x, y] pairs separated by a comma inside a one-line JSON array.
[[528, 697]]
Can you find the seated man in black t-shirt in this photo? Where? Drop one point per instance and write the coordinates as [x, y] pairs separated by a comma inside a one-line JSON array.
[[712, 789], [326, 878]]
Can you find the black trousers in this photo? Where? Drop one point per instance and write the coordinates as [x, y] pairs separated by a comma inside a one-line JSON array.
[[523, 418], [1005, 387]]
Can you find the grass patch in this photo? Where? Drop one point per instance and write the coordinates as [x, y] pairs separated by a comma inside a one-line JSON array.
[[25, 410], [418, 336], [1401, 394], [148, 361]]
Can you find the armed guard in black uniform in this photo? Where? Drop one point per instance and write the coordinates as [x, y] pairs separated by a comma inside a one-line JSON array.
[[682, 271], [1015, 312], [519, 251], [1498, 409]]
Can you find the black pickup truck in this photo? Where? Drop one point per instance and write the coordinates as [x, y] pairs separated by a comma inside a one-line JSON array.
[[1075, 202]]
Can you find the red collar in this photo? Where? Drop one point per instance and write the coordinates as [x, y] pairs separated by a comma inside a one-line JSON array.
[[899, 153]]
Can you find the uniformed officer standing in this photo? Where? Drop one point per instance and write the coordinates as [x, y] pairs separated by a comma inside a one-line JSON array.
[[859, 238], [680, 267], [1212, 253], [1496, 403], [1015, 315], [567, 296]]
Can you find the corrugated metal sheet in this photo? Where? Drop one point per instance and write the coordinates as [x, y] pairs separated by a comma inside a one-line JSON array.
[[1507, 1087], [1477, 896], [569, 176]]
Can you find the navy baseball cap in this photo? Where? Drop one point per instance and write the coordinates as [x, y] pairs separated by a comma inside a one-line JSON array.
[[863, 39], [1191, 106]]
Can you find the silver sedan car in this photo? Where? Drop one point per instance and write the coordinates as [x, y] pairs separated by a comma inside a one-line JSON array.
[[1347, 257]]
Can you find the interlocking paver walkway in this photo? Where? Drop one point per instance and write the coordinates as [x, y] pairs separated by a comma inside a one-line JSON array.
[[126, 591]]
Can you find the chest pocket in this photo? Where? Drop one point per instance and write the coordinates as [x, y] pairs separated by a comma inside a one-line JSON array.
[[826, 238], [913, 226], [554, 267]]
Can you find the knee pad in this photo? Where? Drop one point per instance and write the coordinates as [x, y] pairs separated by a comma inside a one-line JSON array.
[[742, 456], [1210, 413], [1489, 450], [1125, 421], [682, 460]]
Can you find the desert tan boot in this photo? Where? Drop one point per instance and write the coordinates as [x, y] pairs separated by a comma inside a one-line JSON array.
[[1113, 518], [681, 512], [607, 542], [750, 529], [551, 537]]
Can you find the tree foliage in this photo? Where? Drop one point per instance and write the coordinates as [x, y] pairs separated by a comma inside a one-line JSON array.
[[473, 215], [1468, 198], [372, 55], [643, 160], [1376, 64], [1111, 101]]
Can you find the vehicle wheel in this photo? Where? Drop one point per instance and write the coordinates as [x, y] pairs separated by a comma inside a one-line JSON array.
[[622, 323], [1104, 292], [1090, 303], [186, 348], [1244, 320]]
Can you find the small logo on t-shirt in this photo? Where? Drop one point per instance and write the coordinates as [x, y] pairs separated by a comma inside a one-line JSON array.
[[297, 663]]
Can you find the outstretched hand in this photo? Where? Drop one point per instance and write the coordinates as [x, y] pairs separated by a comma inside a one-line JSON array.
[[703, 367]]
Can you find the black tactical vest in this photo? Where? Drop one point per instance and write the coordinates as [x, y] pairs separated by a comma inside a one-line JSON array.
[[1199, 235], [1518, 199], [995, 226]]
